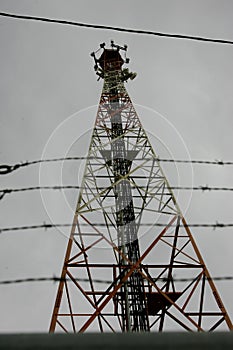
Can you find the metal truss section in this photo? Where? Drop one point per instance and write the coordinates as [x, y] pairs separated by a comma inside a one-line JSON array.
[[122, 273]]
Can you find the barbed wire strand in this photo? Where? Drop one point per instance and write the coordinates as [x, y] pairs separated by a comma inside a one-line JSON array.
[[203, 188], [118, 29], [6, 191], [50, 226], [6, 168], [58, 279]]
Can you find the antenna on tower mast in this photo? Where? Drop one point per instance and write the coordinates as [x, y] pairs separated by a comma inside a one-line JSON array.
[[123, 194], [111, 60]]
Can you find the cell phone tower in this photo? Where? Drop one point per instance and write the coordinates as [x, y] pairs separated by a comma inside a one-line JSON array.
[[131, 263]]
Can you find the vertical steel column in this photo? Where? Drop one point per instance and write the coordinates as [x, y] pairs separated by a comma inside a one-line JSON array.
[[133, 301]]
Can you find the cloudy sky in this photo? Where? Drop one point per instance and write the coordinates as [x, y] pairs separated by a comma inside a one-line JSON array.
[[49, 95]]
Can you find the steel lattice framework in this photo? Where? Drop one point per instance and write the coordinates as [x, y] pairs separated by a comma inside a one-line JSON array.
[[115, 235]]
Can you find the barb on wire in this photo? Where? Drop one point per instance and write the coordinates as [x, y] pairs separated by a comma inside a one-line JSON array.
[[156, 224], [58, 279], [118, 29], [6, 168]]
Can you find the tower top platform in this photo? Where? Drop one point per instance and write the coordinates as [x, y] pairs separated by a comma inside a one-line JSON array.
[[112, 60]]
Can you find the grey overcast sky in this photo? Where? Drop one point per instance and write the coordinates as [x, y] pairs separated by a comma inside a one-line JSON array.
[[47, 76]]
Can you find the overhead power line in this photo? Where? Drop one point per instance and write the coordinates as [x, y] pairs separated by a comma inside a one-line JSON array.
[[7, 168], [203, 188], [57, 279], [117, 29], [156, 224]]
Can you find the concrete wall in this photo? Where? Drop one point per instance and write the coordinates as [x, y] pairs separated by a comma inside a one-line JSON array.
[[107, 341]]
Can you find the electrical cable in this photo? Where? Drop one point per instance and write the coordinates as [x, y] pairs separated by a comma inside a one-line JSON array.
[[118, 29]]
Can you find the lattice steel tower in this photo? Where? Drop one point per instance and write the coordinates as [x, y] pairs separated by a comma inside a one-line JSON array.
[[125, 200]]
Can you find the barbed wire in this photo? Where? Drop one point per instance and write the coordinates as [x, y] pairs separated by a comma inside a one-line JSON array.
[[5, 191], [210, 162], [50, 226], [202, 188], [7, 168], [118, 29], [58, 279]]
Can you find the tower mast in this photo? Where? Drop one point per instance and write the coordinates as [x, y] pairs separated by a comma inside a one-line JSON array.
[[133, 304], [125, 191]]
